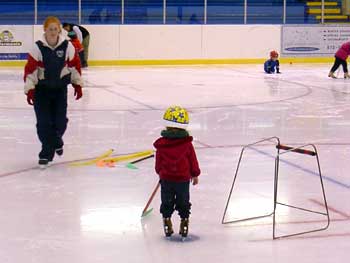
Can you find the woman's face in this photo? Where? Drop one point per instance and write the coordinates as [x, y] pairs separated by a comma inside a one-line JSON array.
[[53, 30]]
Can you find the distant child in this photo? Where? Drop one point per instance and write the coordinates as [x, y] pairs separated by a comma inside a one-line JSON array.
[[271, 65], [340, 59], [77, 45], [176, 165]]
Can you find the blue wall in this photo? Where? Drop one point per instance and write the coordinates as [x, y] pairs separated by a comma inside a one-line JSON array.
[[151, 11]]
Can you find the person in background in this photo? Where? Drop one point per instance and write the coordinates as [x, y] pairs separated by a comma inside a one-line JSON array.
[[340, 59], [77, 45], [84, 38], [194, 19]]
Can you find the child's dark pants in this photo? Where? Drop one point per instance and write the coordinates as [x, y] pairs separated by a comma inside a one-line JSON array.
[[175, 195]]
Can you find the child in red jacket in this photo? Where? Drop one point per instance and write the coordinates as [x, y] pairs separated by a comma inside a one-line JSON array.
[[340, 59], [176, 165]]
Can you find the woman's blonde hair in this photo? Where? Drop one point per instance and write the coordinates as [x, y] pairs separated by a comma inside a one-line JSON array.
[[52, 19]]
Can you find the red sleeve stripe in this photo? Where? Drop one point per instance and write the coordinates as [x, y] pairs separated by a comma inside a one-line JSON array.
[[75, 63], [30, 66]]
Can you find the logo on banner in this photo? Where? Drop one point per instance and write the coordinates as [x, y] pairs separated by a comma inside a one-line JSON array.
[[7, 39], [302, 49]]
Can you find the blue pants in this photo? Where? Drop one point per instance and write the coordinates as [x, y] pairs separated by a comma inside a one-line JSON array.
[[175, 196], [50, 107]]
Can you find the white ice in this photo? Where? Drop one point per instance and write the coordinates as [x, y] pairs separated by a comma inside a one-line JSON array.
[[92, 214]]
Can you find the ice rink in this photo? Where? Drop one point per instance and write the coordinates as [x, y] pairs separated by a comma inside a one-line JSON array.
[[91, 214]]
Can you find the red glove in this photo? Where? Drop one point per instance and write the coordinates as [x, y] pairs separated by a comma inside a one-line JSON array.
[[30, 97], [78, 93]]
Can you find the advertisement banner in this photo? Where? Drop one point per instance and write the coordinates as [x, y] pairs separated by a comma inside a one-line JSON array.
[[313, 41], [15, 42]]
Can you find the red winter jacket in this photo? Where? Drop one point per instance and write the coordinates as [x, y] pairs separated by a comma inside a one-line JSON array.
[[344, 51], [176, 159], [77, 45]]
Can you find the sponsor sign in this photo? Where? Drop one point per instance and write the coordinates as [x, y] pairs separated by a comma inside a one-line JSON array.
[[15, 42], [313, 41]]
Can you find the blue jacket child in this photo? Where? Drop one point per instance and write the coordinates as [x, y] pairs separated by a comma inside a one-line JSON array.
[[271, 65]]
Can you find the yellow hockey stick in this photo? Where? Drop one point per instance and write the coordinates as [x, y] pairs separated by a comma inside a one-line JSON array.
[[93, 161], [128, 156]]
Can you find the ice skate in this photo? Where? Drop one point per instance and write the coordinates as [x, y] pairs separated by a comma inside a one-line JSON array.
[[346, 75], [43, 163], [168, 227], [184, 228], [331, 75], [59, 151]]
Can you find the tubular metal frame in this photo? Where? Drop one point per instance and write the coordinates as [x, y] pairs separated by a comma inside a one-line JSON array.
[[275, 194]]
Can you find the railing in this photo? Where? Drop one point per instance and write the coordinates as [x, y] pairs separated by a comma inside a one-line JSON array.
[[162, 11]]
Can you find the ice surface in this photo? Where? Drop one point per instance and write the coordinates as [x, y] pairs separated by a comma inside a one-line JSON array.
[[92, 214]]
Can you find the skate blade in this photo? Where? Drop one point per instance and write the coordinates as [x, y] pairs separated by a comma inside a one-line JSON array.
[[181, 239], [45, 166]]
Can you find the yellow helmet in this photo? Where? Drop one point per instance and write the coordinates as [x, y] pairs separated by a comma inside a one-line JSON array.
[[176, 117]]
